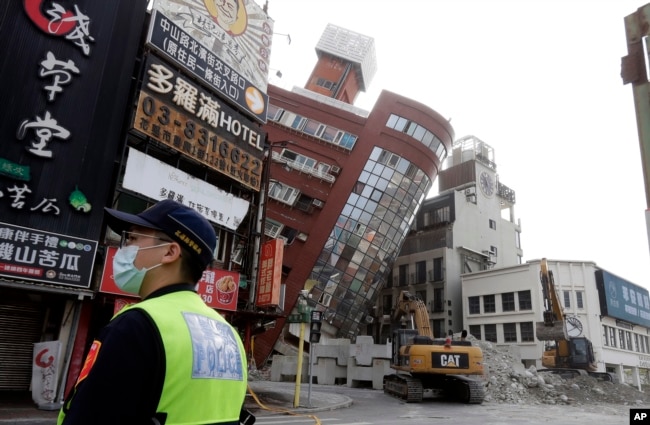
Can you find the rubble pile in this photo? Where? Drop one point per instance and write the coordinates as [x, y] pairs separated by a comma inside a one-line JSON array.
[[509, 381]]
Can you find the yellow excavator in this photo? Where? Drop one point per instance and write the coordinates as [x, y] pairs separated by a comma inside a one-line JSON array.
[[566, 352], [430, 368]]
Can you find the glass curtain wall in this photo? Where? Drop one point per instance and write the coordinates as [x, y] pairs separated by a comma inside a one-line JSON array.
[[353, 266]]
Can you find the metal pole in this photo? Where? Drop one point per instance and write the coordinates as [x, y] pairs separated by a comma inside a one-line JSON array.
[[311, 346], [634, 71], [301, 344]]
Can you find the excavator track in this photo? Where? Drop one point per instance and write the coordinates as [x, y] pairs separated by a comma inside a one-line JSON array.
[[466, 390], [404, 387]]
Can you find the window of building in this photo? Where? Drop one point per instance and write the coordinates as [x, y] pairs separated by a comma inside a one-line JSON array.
[[272, 228], [403, 275], [475, 331], [437, 269], [489, 305], [387, 304], [621, 339], [642, 347], [579, 302], [345, 140], [527, 333], [438, 300], [628, 340], [312, 127], [305, 203], [427, 219], [493, 225], [636, 343], [605, 336], [283, 193], [438, 328], [510, 332], [273, 113], [325, 83], [612, 337], [474, 305], [567, 299], [508, 301], [491, 332], [329, 133], [525, 302], [421, 272]]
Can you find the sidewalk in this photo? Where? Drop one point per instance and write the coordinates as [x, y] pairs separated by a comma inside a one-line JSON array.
[[19, 409]]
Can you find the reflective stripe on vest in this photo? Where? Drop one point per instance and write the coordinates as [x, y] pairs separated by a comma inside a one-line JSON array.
[[206, 370]]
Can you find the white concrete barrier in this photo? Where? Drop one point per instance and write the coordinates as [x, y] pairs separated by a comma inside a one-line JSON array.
[[339, 360]]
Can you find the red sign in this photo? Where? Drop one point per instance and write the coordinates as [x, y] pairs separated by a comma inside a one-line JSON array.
[[270, 278], [218, 288]]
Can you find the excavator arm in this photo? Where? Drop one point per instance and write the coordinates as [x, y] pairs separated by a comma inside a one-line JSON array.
[[552, 328], [410, 305]]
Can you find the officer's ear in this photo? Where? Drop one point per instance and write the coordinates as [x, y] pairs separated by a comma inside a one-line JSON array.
[[173, 253]]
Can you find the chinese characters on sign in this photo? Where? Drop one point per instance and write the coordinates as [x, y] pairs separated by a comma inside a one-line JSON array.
[[183, 49], [176, 112], [219, 289], [45, 257], [622, 299], [44, 128], [270, 275], [157, 180]]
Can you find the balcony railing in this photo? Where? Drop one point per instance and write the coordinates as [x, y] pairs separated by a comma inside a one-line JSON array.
[[304, 168]]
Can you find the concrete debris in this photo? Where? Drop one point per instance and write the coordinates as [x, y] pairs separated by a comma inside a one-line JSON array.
[[509, 381]]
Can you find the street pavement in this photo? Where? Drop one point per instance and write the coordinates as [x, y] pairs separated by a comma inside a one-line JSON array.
[[261, 396]]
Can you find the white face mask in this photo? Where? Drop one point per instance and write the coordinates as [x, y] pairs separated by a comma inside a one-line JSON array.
[[127, 277]]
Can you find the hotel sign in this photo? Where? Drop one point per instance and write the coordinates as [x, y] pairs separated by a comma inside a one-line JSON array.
[[176, 112]]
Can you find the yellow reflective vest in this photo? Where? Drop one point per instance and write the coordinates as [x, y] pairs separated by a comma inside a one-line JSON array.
[[206, 369]]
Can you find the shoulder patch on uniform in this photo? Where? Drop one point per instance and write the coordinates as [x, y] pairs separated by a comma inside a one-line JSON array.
[[214, 348], [90, 361]]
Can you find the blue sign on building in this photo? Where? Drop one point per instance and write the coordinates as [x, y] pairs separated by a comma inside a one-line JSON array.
[[622, 299]]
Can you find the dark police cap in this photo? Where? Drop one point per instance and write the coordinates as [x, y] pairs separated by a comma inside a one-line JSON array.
[[184, 225]]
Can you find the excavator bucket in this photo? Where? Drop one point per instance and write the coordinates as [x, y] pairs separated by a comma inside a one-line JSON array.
[[545, 332]]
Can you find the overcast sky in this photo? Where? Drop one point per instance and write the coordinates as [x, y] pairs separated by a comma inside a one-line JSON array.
[[539, 81]]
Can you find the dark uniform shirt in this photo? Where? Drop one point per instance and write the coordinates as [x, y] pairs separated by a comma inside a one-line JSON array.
[[126, 380]]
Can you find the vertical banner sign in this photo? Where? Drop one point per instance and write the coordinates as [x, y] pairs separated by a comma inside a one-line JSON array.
[[226, 44], [270, 278], [61, 61], [45, 371]]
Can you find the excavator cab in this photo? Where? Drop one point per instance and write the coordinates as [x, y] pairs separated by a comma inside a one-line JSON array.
[[581, 354], [401, 338]]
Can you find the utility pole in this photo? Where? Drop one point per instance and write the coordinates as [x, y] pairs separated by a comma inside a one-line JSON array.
[[634, 70]]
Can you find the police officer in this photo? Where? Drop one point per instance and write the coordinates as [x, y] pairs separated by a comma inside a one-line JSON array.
[[169, 359]]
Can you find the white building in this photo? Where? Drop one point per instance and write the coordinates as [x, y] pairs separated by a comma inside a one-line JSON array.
[[503, 305]]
